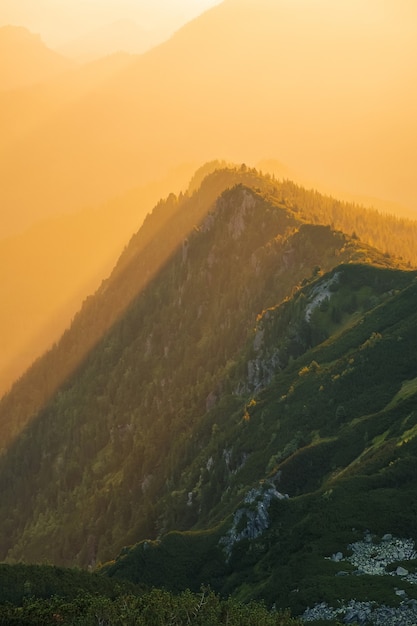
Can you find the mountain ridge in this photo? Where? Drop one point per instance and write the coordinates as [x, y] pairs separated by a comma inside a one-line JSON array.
[[123, 35], [310, 204], [222, 88], [235, 403], [242, 219], [26, 60]]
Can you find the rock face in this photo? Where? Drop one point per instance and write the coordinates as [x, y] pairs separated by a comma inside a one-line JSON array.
[[319, 294], [251, 520], [373, 558], [237, 224]]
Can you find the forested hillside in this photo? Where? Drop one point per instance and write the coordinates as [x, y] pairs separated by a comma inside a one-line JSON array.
[[237, 397], [170, 222], [330, 438]]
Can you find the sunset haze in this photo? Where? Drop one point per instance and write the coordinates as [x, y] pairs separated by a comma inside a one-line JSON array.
[[208, 279], [326, 88]]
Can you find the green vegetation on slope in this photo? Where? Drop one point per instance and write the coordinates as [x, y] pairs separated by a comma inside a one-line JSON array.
[[324, 431], [42, 595], [259, 355]]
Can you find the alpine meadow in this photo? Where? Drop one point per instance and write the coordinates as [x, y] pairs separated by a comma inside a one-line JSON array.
[[208, 331]]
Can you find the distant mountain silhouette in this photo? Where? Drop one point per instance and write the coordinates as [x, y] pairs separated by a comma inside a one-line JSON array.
[[24, 111], [329, 90], [26, 60], [119, 36]]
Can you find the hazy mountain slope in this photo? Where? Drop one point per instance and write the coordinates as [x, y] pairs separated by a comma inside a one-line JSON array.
[[111, 411], [127, 281], [47, 271], [26, 60], [43, 295], [23, 110], [398, 235], [119, 36], [330, 87]]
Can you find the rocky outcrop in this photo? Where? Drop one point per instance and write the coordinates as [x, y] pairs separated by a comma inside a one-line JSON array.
[[373, 558], [361, 613], [252, 519], [237, 223], [320, 293]]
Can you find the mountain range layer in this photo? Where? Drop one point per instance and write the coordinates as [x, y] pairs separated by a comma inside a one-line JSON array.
[[328, 89], [233, 410], [257, 91], [238, 399], [25, 60]]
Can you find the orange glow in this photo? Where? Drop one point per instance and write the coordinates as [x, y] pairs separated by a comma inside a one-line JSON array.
[[328, 88]]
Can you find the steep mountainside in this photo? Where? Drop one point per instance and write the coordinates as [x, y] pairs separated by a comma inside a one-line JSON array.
[[309, 487], [238, 397], [48, 270], [116, 406], [161, 234]]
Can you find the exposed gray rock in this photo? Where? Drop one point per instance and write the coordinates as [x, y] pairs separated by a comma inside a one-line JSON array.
[[237, 223], [353, 612], [262, 369], [252, 519], [321, 292], [401, 571], [372, 558], [357, 612], [258, 340]]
